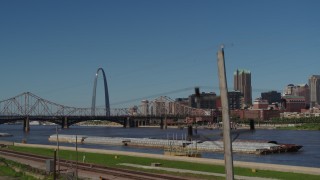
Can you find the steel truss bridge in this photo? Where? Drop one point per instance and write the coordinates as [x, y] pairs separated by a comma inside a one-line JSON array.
[[28, 107]]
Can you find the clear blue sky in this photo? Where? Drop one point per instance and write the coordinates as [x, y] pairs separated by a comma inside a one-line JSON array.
[[149, 47]]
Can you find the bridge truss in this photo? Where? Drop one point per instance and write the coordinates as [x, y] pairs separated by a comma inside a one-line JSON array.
[[33, 107]]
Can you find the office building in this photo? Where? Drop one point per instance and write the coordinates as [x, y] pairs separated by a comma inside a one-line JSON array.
[[242, 83], [260, 104], [314, 85], [235, 100], [206, 100], [145, 107], [303, 90], [298, 90], [271, 96]]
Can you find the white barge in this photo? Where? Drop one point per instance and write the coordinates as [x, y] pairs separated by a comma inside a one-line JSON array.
[[5, 135], [241, 146]]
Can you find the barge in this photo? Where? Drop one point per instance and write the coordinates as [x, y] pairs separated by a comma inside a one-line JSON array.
[[186, 146], [5, 135]]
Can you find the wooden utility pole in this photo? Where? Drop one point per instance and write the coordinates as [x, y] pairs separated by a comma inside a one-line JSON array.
[[77, 157], [57, 154], [54, 164], [228, 159]]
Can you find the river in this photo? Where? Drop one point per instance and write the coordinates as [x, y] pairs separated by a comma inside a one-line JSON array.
[[308, 156]]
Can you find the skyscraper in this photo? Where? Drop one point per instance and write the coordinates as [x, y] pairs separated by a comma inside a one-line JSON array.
[[314, 85], [242, 83]]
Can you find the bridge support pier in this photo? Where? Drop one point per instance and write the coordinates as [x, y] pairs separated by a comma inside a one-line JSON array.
[[190, 132], [137, 123], [65, 123], [26, 125], [131, 123], [165, 123], [126, 122], [161, 123], [251, 122]]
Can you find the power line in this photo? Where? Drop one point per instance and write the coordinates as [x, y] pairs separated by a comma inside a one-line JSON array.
[[153, 96]]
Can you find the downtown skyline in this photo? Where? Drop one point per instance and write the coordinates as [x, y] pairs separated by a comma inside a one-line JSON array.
[[53, 49]]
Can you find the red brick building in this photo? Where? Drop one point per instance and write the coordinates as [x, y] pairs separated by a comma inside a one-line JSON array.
[[260, 104], [259, 114], [293, 103]]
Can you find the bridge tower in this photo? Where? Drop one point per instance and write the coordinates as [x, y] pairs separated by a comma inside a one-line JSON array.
[[106, 94]]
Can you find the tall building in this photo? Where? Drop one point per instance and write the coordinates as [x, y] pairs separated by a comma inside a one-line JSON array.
[[235, 100], [242, 83], [314, 85], [288, 91], [271, 97], [302, 90], [145, 107], [298, 90], [206, 101]]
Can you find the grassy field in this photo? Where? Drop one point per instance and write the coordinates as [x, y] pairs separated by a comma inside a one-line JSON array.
[[114, 160], [311, 126], [7, 171]]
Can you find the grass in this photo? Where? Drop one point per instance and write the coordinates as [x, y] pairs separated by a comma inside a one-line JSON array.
[[7, 171], [114, 160], [311, 126]]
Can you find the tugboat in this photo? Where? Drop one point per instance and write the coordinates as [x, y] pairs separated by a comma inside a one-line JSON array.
[[281, 148], [289, 147]]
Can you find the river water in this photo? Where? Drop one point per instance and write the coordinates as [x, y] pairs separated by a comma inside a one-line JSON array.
[[308, 156]]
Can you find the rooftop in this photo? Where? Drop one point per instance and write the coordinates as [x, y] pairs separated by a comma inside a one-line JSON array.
[[315, 76], [242, 71], [292, 97]]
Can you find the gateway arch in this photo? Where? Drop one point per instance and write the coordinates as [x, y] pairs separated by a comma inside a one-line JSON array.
[[106, 94]]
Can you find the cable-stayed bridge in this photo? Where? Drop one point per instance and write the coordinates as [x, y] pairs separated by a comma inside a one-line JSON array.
[[28, 107]]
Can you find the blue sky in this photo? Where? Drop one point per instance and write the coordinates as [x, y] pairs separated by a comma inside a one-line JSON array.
[[150, 47]]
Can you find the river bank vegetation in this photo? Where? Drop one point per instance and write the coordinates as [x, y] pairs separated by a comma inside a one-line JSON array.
[[98, 123], [113, 160], [13, 170], [311, 126], [302, 123], [301, 120]]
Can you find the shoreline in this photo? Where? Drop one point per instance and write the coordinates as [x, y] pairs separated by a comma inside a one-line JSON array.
[[252, 165]]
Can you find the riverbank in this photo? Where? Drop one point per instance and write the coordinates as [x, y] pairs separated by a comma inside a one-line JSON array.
[[312, 127], [113, 158]]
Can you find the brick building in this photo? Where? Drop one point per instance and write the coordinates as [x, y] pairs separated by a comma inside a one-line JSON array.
[[257, 114], [293, 103], [260, 104]]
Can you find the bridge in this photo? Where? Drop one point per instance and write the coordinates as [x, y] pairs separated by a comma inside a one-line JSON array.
[[28, 107]]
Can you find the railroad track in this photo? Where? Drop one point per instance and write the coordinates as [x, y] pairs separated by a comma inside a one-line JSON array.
[[103, 170]]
